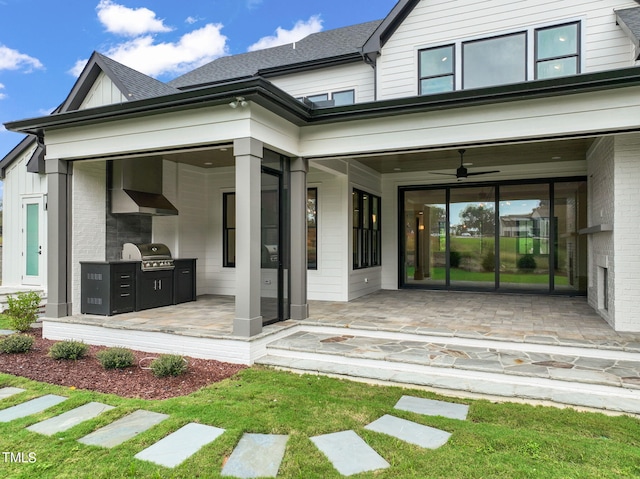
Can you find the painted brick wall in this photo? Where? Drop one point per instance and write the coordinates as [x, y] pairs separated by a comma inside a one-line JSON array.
[[626, 234], [89, 229]]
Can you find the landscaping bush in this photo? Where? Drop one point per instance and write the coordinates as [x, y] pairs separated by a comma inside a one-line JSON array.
[[16, 343], [168, 365], [526, 263], [454, 259], [489, 262], [115, 358], [68, 350], [23, 310]]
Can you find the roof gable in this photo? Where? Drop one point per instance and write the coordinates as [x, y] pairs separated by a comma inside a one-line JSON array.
[[317, 49], [132, 84]]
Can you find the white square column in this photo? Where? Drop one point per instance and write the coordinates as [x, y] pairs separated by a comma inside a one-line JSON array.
[[248, 153]]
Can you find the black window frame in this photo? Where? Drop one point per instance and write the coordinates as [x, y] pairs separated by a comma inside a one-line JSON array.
[[352, 91], [578, 55], [226, 229], [312, 265], [429, 77], [366, 232]]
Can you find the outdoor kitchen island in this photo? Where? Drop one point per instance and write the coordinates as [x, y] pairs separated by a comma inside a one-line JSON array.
[[123, 286]]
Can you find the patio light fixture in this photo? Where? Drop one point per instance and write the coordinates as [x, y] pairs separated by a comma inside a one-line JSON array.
[[238, 101]]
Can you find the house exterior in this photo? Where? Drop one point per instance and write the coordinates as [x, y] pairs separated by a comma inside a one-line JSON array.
[[434, 149]]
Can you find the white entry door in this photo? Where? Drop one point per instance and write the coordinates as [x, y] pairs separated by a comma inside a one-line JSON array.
[[33, 234]]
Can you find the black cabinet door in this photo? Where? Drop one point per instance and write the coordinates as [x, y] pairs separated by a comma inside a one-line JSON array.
[[155, 289], [123, 288], [185, 280]]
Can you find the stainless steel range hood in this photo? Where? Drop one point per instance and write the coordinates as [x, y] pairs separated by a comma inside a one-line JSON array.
[[137, 188]]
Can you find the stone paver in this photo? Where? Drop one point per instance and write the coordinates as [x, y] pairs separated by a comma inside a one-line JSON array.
[[9, 391], [69, 419], [348, 453], [123, 429], [180, 445], [409, 431], [6, 332], [256, 455], [30, 407], [431, 407]]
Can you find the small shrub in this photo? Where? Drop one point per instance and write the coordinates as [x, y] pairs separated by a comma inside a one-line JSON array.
[[16, 343], [115, 358], [68, 350], [526, 262], [168, 365], [23, 310], [489, 262], [454, 259]]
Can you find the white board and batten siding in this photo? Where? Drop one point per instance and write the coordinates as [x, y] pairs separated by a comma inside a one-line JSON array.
[[353, 76], [434, 23], [20, 185], [103, 92]]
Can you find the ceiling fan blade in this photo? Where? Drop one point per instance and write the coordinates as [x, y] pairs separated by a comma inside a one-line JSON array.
[[476, 173], [444, 174]]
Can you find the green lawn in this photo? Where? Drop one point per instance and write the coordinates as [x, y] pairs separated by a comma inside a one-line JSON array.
[[4, 322], [496, 441]]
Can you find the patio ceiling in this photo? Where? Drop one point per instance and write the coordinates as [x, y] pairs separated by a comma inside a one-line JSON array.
[[479, 157]]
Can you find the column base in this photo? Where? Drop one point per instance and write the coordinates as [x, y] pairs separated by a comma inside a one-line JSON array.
[[57, 310], [247, 327], [299, 311]]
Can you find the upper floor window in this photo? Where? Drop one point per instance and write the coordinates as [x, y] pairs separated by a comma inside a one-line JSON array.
[[437, 70], [494, 61], [534, 53], [557, 51]]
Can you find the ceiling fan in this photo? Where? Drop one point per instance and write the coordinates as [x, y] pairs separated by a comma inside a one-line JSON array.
[[462, 172]]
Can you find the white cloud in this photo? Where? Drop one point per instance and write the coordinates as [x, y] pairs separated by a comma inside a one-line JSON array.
[[130, 22], [300, 30], [251, 4], [191, 20], [2, 95], [11, 59], [191, 51]]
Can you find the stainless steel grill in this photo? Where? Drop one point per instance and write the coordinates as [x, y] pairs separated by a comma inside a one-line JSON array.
[[154, 256]]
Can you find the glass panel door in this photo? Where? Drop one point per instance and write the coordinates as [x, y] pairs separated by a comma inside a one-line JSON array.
[[270, 240], [525, 228], [33, 231], [425, 238], [472, 238], [570, 259]]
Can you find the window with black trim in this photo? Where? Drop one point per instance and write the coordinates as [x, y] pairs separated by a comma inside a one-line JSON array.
[[366, 229], [557, 50], [312, 228], [229, 229], [437, 70], [494, 61]]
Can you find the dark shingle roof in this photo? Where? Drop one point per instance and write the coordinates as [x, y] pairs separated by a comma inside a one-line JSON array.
[[629, 20], [138, 86], [313, 48]]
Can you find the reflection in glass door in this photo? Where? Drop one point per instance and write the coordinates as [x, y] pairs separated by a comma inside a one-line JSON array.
[[472, 228], [525, 228], [425, 238]]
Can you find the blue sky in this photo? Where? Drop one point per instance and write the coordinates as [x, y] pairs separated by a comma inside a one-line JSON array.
[[44, 44]]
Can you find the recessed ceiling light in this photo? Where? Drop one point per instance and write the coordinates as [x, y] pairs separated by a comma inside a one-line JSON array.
[[556, 157], [223, 149], [208, 163], [397, 169]]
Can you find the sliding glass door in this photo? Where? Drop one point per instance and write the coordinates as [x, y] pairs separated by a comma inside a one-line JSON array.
[[520, 236]]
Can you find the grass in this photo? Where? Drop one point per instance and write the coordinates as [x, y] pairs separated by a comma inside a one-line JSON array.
[[5, 322], [496, 441]]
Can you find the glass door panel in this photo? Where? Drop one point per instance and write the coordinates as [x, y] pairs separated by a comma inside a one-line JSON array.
[[525, 228], [425, 238], [271, 287], [570, 259], [472, 238]]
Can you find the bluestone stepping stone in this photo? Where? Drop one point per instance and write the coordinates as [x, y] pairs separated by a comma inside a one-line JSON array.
[[431, 407], [30, 407], [9, 391], [348, 453], [6, 332], [256, 455], [409, 431], [123, 429], [69, 419], [180, 445]]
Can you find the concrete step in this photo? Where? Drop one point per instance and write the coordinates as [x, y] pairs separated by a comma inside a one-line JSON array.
[[589, 377]]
